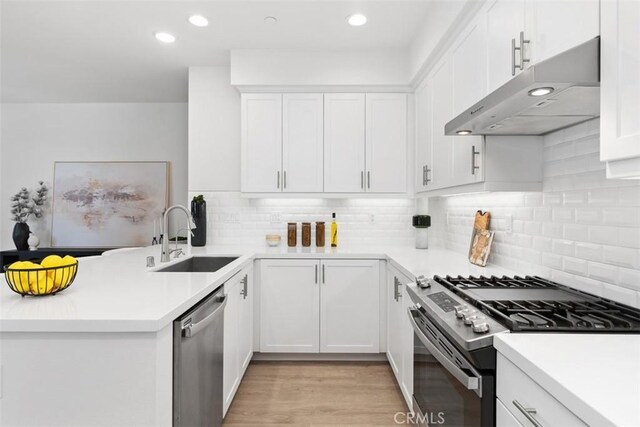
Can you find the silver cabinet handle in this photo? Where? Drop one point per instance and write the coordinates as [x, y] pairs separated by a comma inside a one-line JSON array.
[[528, 413], [520, 48], [395, 288], [428, 180], [522, 43], [193, 328], [361, 179], [474, 153], [369, 179], [316, 279], [284, 179], [424, 175], [245, 287], [278, 180], [323, 275]]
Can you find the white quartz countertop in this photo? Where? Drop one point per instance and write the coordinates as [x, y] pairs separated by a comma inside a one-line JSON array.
[[117, 293], [596, 376]]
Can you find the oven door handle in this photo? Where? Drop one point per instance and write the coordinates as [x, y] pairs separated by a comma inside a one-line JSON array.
[[471, 383]]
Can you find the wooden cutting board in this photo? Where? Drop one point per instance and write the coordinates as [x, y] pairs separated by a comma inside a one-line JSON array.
[[481, 239]]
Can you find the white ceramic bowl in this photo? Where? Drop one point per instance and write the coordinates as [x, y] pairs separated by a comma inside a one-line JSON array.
[[273, 239]]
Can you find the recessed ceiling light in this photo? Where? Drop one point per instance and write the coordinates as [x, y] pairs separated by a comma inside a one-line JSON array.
[[356, 20], [464, 132], [199, 20], [165, 37], [270, 20], [540, 91]]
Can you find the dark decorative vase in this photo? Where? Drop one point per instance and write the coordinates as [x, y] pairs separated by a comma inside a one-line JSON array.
[[21, 235], [199, 214]]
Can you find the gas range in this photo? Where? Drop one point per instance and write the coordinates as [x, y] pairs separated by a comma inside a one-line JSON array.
[[471, 310]]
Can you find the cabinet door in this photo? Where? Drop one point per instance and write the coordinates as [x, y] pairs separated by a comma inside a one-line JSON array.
[[504, 418], [424, 118], [442, 84], [505, 19], [469, 86], [245, 323], [406, 341], [555, 26], [350, 306], [394, 311], [344, 130], [386, 142], [231, 361], [289, 306], [620, 85], [261, 139], [302, 143]]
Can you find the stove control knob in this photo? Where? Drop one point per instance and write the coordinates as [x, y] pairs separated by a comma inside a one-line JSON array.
[[480, 326], [469, 316], [423, 282], [460, 310]]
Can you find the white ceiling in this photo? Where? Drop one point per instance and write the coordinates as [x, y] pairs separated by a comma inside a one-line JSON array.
[[104, 51]]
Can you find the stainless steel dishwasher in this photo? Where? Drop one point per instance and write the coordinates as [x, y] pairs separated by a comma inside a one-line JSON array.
[[197, 363]]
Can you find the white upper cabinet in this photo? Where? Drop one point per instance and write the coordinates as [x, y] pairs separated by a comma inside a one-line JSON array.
[[261, 140], [555, 26], [386, 142], [469, 86], [504, 19], [350, 306], [620, 88], [302, 143], [424, 144], [441, 82], [344, 141]]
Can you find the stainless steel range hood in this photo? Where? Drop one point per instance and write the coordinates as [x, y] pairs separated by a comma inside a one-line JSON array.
[[574, 78]]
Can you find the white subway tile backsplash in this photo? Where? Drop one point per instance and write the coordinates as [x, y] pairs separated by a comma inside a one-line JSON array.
[[582, 230]]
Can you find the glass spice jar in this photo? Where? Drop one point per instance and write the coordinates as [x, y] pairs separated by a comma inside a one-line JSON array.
[[292, 234], [306, 234], [320, 234]]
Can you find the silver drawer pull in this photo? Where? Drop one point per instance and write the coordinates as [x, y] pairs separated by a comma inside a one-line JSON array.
[[528, 413]]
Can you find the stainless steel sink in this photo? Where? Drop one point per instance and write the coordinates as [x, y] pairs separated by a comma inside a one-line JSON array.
[[200, 264]]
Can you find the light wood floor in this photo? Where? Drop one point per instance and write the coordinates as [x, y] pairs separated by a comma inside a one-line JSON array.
[[316, 394]]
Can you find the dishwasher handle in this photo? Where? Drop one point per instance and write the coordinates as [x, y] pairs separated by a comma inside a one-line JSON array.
[[193, 328]]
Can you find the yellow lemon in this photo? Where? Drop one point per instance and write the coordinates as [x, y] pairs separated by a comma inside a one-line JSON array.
[[26, 277], [14, 277], [51, 261], [64, 275], [40, 282]]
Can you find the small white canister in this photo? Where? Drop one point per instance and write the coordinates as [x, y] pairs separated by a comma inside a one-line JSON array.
[[422, 224]]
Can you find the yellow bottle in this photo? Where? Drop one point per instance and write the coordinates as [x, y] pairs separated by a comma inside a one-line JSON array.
[[334, 231]]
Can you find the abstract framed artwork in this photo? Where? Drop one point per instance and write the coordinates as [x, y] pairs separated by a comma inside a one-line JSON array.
[[107, 204]]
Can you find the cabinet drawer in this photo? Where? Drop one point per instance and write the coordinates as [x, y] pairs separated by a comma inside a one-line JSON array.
[[513, 385]]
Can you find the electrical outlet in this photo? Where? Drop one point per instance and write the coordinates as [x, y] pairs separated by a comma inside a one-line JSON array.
[[230, 218], [508, 224], [372, 218], [275, 218]]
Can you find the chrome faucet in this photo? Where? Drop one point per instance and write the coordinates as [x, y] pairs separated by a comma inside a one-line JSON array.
[[166, 253]]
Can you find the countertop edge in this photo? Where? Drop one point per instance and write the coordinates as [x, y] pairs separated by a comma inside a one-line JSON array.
[[561, 393]]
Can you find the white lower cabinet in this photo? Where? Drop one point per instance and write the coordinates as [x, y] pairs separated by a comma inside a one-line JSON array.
[[504, 418], [238, 333], [399, 332], [311, 306], [526, 401], [349, 306]]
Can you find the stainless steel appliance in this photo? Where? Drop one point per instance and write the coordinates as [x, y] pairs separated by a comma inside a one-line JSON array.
[[455, 319], [197, 363], [553, 94]]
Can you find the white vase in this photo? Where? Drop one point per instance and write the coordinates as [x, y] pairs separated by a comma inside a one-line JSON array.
[[33, 241]]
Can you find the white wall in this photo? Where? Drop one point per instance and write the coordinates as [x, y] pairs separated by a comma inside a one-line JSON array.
[[34, 136], [214, 130], [232, 219], [380, 67], [583, 230]]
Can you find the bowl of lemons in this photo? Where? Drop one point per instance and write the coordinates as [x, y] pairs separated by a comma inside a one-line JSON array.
[[52, 275]]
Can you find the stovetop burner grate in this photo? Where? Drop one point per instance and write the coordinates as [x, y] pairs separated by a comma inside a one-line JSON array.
[[575, 311]]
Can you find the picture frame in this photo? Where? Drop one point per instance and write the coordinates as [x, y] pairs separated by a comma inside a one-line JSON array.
[[107, 203]]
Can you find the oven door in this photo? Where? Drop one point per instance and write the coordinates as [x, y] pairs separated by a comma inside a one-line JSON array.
[[447, 390]]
